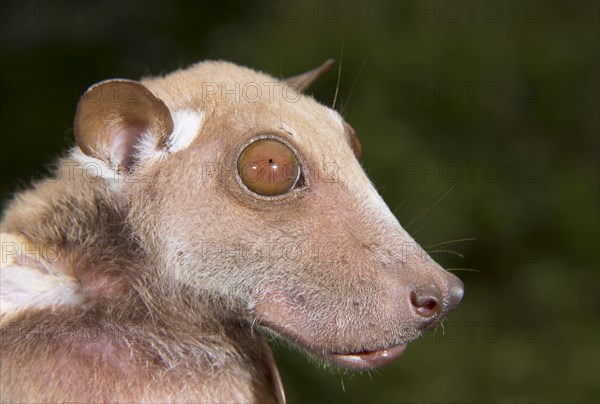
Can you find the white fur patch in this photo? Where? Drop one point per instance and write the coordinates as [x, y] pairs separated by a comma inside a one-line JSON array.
[[148, 150], [187, 125], [24, 286]]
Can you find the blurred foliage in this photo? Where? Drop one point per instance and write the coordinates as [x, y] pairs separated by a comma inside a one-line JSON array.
[[487, 113]]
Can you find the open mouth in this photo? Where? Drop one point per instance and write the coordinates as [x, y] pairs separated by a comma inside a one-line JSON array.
[[365, 360]]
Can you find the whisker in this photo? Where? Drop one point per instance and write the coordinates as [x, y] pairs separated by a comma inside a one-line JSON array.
[[462, 269], [444, 243], [344, 107], [446, 251], [421, 228], [419, 212], [430, 208], [337, 86], [398, 207]]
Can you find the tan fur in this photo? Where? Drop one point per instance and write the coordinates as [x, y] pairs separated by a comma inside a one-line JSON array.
[[177, 264]]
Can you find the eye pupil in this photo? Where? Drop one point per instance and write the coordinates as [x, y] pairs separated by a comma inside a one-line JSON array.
[[268, 167]]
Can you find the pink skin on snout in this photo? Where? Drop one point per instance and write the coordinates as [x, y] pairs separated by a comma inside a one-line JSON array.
[[396, 320], [275, 312]]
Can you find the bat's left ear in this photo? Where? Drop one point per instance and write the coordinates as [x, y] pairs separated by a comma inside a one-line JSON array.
[[113, 117], [304, 80]]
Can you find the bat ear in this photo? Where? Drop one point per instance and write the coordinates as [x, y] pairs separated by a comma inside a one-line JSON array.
[[304, 80], [114, 116]]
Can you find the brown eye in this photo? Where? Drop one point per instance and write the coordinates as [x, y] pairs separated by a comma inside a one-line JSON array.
[[268, 167]]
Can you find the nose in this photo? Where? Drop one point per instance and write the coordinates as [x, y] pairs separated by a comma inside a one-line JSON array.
[[456, 290], [428, 301]]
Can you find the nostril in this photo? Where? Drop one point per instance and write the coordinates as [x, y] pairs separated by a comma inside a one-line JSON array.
[[426, 300], [425, 307]]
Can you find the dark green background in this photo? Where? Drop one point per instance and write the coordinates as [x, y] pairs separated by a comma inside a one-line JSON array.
[[494, 104]]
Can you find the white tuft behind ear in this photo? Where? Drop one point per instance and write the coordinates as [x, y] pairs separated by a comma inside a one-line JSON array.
[[187, 124]]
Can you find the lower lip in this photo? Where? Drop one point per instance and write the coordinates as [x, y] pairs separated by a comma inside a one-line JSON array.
[[368, 359]]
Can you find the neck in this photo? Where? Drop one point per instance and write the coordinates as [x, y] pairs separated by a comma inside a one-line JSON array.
[[141, 322]]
